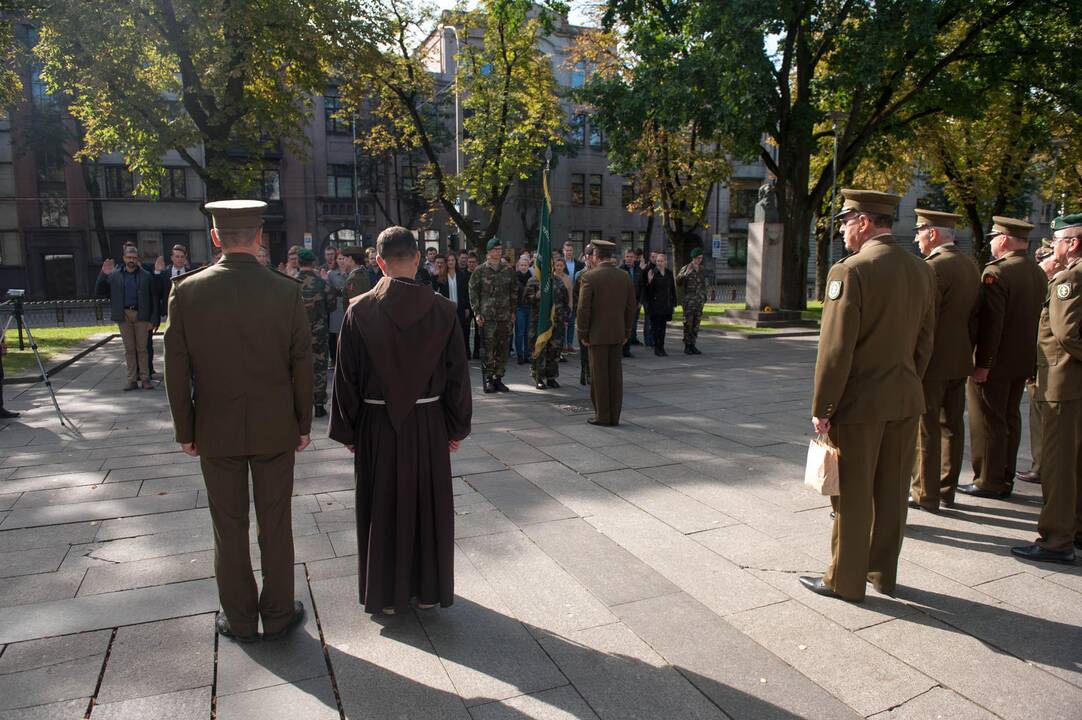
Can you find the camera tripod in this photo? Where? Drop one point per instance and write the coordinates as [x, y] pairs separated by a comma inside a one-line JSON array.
[[16, 303]]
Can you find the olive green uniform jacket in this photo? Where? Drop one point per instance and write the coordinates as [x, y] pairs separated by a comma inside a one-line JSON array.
[[238, 359]]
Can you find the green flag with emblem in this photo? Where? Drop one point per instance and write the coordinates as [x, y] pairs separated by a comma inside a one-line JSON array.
[[542, 270]]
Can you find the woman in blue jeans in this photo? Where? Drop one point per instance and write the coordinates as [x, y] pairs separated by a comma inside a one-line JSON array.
[[522, 313]]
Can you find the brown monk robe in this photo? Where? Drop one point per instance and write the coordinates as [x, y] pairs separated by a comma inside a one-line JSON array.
[[401, 394]]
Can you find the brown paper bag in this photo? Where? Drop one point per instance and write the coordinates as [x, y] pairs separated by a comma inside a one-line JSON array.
[[821, 471]]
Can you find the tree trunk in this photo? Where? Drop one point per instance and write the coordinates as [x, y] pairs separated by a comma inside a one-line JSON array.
[[648, 235], [824, 233], [93, 189]]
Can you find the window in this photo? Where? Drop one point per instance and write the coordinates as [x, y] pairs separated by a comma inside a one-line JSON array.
[[271, 187], [577, 238], [627, 193], [54, 210], [174, 184], [597, 137], [118, 181], [332, 106], [11, 251], [738, 251], [578, 75], [578, 189], [595, 235], [742, 199], [642, 240], [627, 240], [340, 181], [432, 239], [595, 189], [578, 130]]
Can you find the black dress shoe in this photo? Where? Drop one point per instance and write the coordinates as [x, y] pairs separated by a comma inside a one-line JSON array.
[[1028, 476], [663, 353], [540, 385], [222, 623], [687, 350], [917, 506], [500, 387], [595, 421], [1042, 554], [7, 414], [658, 352], [977, 491], [297, 619], [489, 387], [696, 351], [552, 383], [817, 586]]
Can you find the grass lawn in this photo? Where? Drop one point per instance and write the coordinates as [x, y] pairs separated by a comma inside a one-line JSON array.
[[50, 342], [714, 316]]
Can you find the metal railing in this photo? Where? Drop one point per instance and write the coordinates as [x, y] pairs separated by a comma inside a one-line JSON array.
[[63, 313]]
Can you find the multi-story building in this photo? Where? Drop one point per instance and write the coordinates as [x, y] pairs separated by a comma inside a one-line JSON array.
[[59, 217]]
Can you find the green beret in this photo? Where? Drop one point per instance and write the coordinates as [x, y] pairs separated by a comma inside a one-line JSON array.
[[1066, 221], [305, 255], [494, 243], [696, 252]]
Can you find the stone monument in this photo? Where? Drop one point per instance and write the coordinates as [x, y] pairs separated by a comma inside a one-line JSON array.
[[763, 298]]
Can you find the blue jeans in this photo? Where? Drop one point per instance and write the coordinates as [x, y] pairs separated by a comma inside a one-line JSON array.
[[522, 332], [569, 337]]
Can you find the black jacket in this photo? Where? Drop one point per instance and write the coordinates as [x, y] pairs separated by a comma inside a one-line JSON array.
[[462, 280], [659, 294]]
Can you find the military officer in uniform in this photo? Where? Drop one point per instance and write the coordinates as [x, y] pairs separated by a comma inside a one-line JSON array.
[[941, 438], [692, 278], [1046, 258], [493, 297], [876, 341], [1013, 289], [1059, 393], [606, 311], [318, 298], [358, 281], [238, 371]]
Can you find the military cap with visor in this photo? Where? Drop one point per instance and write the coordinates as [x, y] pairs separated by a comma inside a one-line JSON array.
[[1017, 229], [872, 202], [936, 218], [236, 214]]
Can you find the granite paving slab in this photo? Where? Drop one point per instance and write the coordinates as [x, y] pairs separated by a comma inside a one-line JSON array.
[[52, 482], [60, 617], [29, 562], [191, 704], [671, 507], [102, 510], [309, 699], [63, 710], [159, 657], [517, 498], [936, 703], [28, 589], [82, 493], [112, 577], [865, 677], [562, 703]]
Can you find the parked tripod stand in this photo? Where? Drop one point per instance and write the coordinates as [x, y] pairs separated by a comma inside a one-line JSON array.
[[15, 301]]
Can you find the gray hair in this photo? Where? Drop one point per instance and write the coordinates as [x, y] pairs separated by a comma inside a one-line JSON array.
[[946, 234]]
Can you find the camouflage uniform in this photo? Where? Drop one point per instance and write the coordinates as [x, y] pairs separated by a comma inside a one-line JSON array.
[[493, 296], [693, 280], [357, 283], [547, 363], [318, 299]]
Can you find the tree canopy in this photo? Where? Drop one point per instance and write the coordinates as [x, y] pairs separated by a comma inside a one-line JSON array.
[[148, 76]]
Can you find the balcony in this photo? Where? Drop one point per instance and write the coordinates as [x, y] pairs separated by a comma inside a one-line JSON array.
[[336, 208]]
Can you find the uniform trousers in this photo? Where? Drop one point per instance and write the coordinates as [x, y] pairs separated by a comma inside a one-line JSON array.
[[875, 463], [1035, 433], [1060, 523], [940, 442], [227, 495], [607, 382], [995, 430]]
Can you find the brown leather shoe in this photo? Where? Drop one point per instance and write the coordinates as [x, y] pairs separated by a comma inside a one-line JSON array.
[[1028, 476]]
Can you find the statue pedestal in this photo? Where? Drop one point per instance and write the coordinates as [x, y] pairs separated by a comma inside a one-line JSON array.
[[764, 282], [764, 265]]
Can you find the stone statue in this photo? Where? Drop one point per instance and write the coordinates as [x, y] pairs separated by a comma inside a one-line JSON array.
[[766, 210]]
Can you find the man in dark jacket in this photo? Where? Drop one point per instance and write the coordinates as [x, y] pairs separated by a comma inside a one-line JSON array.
[[659, 293], [134, 308], [634, 270]]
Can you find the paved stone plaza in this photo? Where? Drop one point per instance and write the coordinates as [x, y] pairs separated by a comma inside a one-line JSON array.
[[647, 571]]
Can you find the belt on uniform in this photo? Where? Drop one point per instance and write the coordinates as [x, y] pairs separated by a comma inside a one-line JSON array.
[[131, 307], [420, 401]]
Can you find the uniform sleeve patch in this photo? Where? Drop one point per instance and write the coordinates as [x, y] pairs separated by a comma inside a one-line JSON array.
[[834, 289], [1063, 290], [989, 279]]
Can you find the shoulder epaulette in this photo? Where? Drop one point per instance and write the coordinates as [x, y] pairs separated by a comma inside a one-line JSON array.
[[188, 274]]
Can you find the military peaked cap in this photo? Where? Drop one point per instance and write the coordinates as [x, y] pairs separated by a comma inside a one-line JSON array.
[[1017, 229], [868, 201], [936, 218], [236, 214]]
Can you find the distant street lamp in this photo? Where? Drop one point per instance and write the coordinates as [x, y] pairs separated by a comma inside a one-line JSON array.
[[460, 206]]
